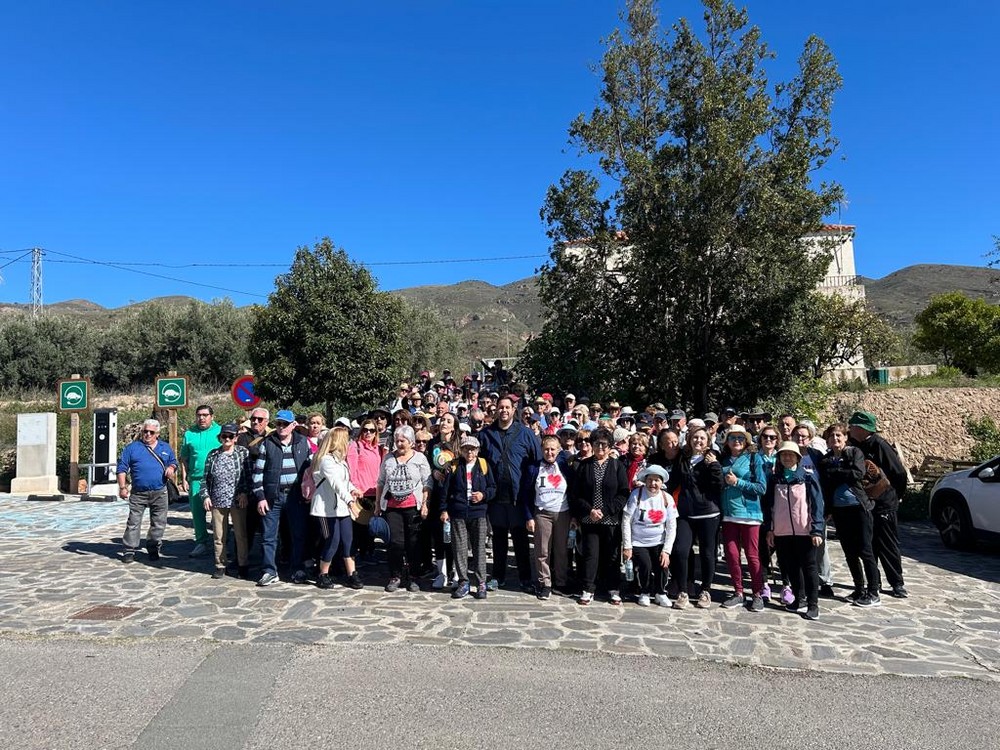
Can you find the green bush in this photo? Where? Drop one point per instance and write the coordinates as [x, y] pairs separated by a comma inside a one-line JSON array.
[[987, 438]]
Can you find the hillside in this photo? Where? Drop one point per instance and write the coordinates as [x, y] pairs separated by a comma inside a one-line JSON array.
[[489, 317]]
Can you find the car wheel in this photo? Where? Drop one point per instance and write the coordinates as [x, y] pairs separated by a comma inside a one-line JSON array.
[[954, 524]]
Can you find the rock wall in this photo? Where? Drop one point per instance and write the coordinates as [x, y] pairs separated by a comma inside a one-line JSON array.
[[923, 421]]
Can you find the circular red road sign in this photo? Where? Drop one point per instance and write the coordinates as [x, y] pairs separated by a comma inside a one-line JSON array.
[[243, 392]]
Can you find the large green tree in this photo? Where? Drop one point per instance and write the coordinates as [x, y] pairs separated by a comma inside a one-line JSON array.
[[711, 172], [327, 334], [965, 332]]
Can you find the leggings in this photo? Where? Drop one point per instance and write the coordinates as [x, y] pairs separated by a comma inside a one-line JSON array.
[[737, 537], [336, 534], [648, 573], [706, 531]]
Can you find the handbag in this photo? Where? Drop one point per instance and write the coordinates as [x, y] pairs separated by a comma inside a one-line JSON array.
[[173, 493]]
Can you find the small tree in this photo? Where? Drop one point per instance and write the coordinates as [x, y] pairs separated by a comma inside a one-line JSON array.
[[839, 331], [965, 332], [326, 334]]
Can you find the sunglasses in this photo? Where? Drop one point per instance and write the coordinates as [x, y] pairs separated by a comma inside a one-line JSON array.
[[279, 424], [149, 432], [601, 444], [769, 437], [736, 439], [421, 442], [227, 436], [367, 429], [258, 419]]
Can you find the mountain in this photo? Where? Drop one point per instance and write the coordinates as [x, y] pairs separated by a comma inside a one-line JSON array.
[[902, 294]]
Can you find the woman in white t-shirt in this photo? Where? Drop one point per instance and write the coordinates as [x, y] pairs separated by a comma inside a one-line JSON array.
[[649, 524]]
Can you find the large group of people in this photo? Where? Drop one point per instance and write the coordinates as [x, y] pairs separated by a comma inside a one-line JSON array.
[[597, 500]]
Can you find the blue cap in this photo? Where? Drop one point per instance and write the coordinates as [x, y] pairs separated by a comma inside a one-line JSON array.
[[285, 415]]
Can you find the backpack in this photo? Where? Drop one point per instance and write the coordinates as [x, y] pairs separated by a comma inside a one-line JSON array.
[[456, 462], [309, 483]]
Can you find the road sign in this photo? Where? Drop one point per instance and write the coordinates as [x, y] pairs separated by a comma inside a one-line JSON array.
[[243, 392], [171, 392], [74, 395]]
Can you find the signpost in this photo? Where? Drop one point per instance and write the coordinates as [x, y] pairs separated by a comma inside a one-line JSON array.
[[74, 397], [243, 392], [171, 394]]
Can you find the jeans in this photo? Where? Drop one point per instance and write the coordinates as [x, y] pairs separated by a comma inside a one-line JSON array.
[[509, 519], [156, 501], [295, 516]]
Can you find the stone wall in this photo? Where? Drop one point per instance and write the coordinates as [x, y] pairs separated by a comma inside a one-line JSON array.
[[923, 421]]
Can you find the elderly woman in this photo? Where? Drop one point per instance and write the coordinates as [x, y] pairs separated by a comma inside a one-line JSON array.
[[598, 497], [634, 458], [742, 514], [696, 481], [649, 525], [224, 493], [364, 457], [404, 482], [331, 506], [841, 474], [315, 427]]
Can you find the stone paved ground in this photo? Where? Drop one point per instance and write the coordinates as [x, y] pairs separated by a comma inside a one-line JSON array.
[[57, 559]]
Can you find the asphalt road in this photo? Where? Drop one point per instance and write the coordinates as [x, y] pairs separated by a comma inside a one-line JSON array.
[[71, 693]]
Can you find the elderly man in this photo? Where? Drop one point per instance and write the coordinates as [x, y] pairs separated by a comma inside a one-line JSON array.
[[277, 487], [150, 462], [885, 533], [199, 440]]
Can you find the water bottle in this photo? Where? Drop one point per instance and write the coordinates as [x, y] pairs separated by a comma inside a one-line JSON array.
[[571, 539], [447, 532], [629, 570]]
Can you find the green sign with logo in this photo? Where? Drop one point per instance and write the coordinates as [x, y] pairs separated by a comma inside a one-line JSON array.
[[74, 395], [171, 393]]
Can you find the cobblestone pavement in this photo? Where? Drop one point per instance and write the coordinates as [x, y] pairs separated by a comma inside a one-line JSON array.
[[59, 559]]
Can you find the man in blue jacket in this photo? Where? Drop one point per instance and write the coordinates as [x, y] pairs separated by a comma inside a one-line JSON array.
[[151, 462], [510, 449]]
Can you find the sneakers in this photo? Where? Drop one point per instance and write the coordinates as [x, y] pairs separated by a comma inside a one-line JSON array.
[[731, 603], [868, 600], [812, 612], [200, 550], [586, 598], [704, 600], [757, 603], [614, 598], [481, 591], [393, 585], [544, 592], [462, 591], [268, 579], [826, 590], [439, 581], [900, 592], [796, 606], [662, 600], [413, 587], [354, 581], [492, 584], [324, 581], [299, 576], [765, 594], [128, 557], [853, 597], [154, 552], [219, 573], [787, 597], [681, 602], [643, 600]]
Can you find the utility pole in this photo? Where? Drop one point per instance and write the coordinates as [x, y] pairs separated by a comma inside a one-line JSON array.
[[37, 305]]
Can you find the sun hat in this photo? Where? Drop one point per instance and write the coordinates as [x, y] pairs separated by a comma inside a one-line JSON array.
[[653, 470], [865, 420], [791, 447]]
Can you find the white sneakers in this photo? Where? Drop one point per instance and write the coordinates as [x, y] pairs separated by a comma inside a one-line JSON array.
[[643, 600], [662, 600]]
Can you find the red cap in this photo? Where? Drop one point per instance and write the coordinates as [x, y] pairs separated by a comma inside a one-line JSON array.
[[547, 397]]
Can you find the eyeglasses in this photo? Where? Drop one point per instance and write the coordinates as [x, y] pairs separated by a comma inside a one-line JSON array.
[[227, 436], [149, 432], [736, 439], [601, 444], [258, 419]]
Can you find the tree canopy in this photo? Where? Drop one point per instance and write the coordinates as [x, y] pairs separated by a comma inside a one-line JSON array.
[[965, 332], [678, 267], [327, 334]]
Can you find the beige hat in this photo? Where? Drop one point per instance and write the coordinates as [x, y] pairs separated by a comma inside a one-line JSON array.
[[791, 447]]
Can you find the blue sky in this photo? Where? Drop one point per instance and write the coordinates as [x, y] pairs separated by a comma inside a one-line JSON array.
[[232, 132]]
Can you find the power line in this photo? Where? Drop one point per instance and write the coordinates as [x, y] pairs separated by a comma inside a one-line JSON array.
[[285, 265], [10, 262]]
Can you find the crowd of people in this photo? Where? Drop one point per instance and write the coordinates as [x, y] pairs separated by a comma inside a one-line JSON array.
[[597, 500]]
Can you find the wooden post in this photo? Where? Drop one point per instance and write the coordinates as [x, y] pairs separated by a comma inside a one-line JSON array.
[[172, 420], [74, 447]]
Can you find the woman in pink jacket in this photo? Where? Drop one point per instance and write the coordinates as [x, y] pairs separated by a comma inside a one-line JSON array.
[[364, 457]]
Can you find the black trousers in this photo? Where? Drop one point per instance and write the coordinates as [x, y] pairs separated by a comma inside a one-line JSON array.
[[885, 545], [798, 560], [506, 519], [648, 573], [601, 544], [854, 529], [404, 528], [706, 531]]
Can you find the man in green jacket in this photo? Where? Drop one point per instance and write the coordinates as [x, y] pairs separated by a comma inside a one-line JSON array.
[[199, 440]]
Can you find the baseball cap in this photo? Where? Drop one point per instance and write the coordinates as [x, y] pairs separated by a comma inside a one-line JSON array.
[[285, 415]]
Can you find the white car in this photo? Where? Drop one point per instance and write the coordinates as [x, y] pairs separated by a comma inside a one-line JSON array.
[[965, 505]]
